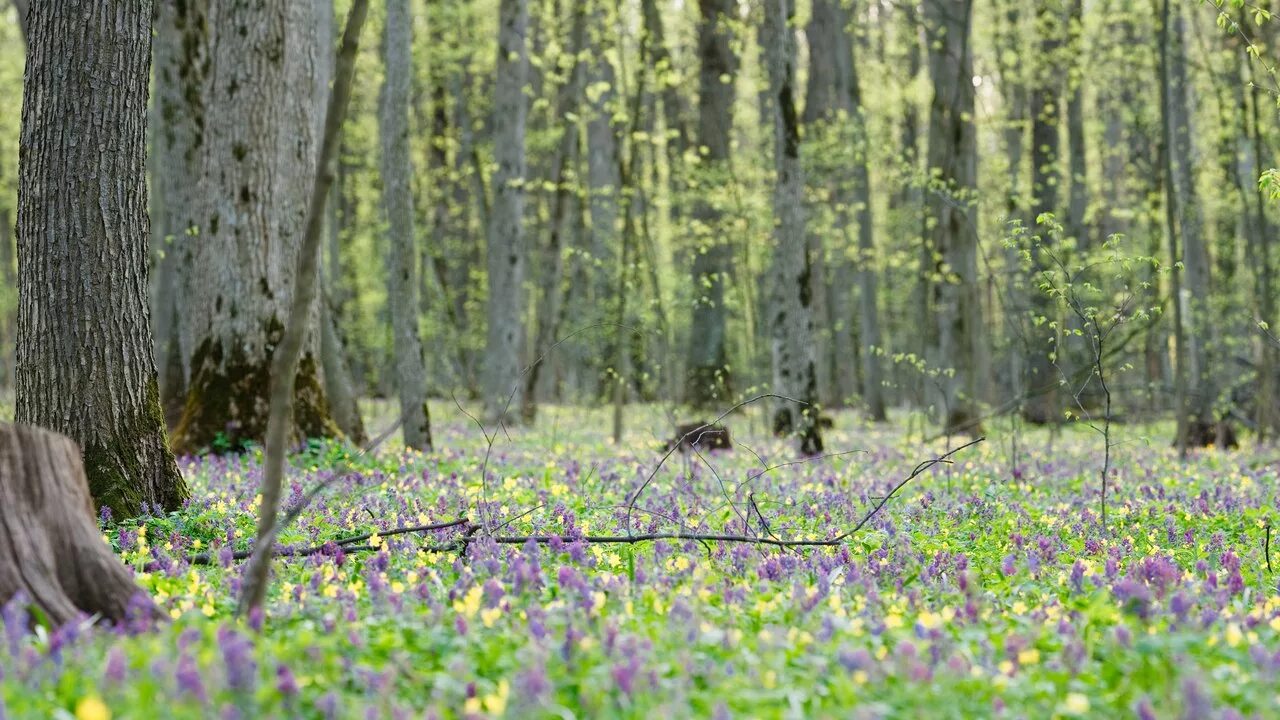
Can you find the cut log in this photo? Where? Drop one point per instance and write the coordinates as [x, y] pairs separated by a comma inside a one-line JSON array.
[[51, 549]]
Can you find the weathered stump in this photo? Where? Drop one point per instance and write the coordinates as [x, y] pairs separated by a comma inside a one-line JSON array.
[[700, 436], [51, 549]]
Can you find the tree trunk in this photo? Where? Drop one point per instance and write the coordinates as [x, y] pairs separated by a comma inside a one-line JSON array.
[[604, 185], [1194, 298], [1043, 403], [826, 120], [1013, 88], [397, 198], [708, 377], [1267, 410], [338, 383], [563, 220], [180, 55], [51, 550], [791, 315], [953, 159], [506, 254], [258, 153], [1168, 129], [84, 362], [1078, 199], [867, 273]]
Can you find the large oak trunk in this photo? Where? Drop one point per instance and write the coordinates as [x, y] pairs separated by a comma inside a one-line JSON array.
[[258, 162], [84, 357], [51, 550]]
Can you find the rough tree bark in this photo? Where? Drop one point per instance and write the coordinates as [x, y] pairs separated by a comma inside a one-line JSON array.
[[258, 155], [707, 376], [84, 362], [397, 198], [953, 158], [51, 550], [506, 253], [790, 315]]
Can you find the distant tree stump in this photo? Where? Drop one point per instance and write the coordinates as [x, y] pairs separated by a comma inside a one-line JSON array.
[[700, 436], [50, 545]]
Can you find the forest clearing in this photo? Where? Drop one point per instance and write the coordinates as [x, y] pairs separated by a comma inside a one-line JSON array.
[[639, 359]]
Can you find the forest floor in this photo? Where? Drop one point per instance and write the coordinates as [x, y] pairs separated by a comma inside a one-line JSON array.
[[983, 589]]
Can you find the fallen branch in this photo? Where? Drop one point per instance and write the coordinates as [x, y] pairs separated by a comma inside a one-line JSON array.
[[630, 539], [348, 544], [210, 559]]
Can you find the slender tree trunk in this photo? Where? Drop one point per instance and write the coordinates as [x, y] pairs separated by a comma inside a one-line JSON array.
[[1043, 404], [708, 378], [953, 159], [564, 207], [1168, 130], [791, 315], [84, 358], [1267, 412], [338, 383], [910, 207], [506, 255], [867, 272], [1013, 88], [258, 152], [1078, 199], [397, 198], [1194, 298]]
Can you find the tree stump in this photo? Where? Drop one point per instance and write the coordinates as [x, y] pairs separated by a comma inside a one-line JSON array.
[[50, 546]]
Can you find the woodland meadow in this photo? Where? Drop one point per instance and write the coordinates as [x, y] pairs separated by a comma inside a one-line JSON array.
[[639, 359]]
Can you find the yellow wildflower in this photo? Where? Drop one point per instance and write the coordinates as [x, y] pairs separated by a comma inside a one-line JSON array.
[[92, 708], [1075, 704]]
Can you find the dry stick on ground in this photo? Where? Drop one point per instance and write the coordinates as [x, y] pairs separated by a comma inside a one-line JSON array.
[[348, 544], [284, 364], [210, 559], [630, 539]]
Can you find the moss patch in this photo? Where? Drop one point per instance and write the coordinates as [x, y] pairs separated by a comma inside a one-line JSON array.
[[134, 466], [230, 396]]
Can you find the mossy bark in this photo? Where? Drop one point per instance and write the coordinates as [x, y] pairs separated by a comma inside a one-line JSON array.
[[227, 404], [85, 366]]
